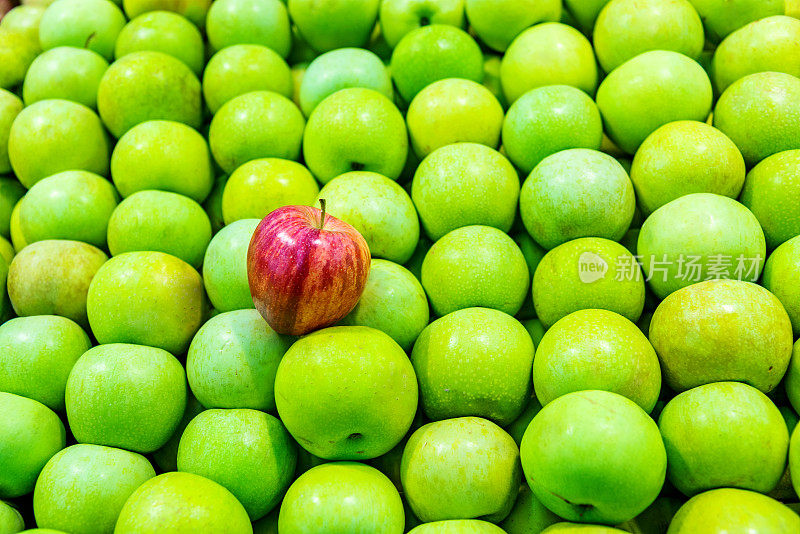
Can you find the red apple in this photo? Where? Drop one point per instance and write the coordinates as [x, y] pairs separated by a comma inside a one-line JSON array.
[[306, 269]]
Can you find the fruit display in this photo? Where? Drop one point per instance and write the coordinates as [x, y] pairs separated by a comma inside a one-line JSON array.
[[400, 266]]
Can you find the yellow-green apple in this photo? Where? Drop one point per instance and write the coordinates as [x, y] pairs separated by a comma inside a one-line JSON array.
[[163, 31], [780, 273], [721, 17], [194, 10], [262, 22], [330, 24], [399, 17], [457, 526], [497, 23], [67, 73], [528, 514], [92, 24]]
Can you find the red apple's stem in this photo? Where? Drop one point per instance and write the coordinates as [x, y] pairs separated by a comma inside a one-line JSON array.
[[322, 216]]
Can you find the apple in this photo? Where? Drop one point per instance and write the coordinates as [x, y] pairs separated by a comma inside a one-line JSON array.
[[533, 255], [18, 241], [722, 17], [780, 271], [260, 186], [225, 266], [65, 73], [239, 69], [355, 129], [548, 54], [329, 24], [163, 31], [10, 519], [457, 526], [233, 359], [341, 497], [17, 52], [656, 518], [182, 502], [24, 19], [163, 155], [399, 17], [166, 457], [30, 434], [194, 10], [722, 330], [516, 429], [794, 445], [583, 12], [10, 106], [729, 509], [92, 24], [580, 528], [262, 22], [213, 204], [528, 514], [498, 23], [83, 487]]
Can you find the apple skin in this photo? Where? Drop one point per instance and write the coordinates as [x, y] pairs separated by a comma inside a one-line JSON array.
[[733, 510], [38, 354], [584, 13], [457, 526], [92, 24], [780, 272], [166, 457], [262, 22], [722, 17], [225, 266], [182, 502], [594, 457], [163, 31], [528, 515], [17, 52], [24, 19], [330, 24], [657, 517], [580, 528], [498, 23], [213, 204], [10, 106], [306, 269], [399, 17], [194, 10], [341, 497], [360, 407], [65, 73], [83, 487], [233, 359], [10, 519], [31, 435]]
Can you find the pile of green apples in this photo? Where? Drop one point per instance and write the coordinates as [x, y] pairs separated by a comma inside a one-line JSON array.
[[582, 306]]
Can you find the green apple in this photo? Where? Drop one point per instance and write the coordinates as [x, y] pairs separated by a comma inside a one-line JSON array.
[[462, 468], [528, 515], [594, 456], [11, 520], [547, 120], [342, 69], [448, 352], [464, 184], [548, 54], [378, 208], [669, 85], [341, 497], [330, 24], [181, 503], [498, 23], [163, 155], [491, 77], [10, 106], [580, 528], [225, 266], [721, 17], [684, 157], [65, 73], [56, 135], [577, 193], [163, 31], [587, 273], [52, 277], [166, 457], [92, 24], [722, 330], [260, 124], [262, 22], [83, 487], [38, 354], [656, 518], [781, 272], [213, 203], [393, 301], [533, 255], [458, 526], [399, 17], [772, 192], [761, 114], [17, 52], [30, 434], [136, 290], [239, 69], [233, 359], [194, 10], [475, 266], [160, 221], [260, 186], [69, 205], [794, 449], [697, 237], [432, 53], [584, 13], [724, 434], [355, 129], [346, 392], [24, 19], [517, 427]]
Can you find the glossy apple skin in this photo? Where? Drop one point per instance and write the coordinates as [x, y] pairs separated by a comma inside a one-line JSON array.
[[303, 277]]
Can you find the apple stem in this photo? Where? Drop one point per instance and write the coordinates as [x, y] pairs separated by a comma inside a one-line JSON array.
[[322, 216], [89, 39]]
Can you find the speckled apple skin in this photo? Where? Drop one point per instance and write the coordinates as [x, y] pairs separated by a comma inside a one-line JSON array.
[[781, 275]]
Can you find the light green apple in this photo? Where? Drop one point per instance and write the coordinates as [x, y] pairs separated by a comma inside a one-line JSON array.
[[330, 24], [24, 19], [497, 23], [457, 526], [225, 266], [10, 106], [656, 518], [355, 129], [163, 31], [181, 503], [584, 13], [233, 359], [260, 186], [528, 515], [491, 77], [475, 266], [432, 53], [166, 457], [92, 24], [781, 272], [11, 520], [243, 68], [161, 221], [761, 114], [194, 10], [65, 73], [30, 434], [669, 85], [451, 349], [464, 184], [698, 237], [379, 208], [722, 17], [399, 17], [56, 135], [684, 157], [580, 528], [69, 205], [722, 330], [363, 398], [548, 54], [52, 277], [341, 497], [260, 124], [546, 120], [594, 456], [163, 155], [38, 354], [17, 52], [262, 22], [83, 488]]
